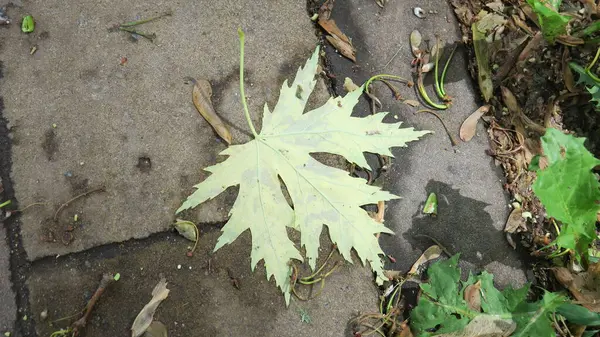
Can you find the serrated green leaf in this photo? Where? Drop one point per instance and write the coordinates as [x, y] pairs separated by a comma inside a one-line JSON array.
[[442, 306], [591, 83], [442, 310], [534, 320], [568, 189], [514, 297], [321, 195], [551, 22]]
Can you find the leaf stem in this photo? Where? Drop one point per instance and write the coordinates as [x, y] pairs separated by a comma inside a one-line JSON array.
[[242, 93], [384, 76], [452, 140], [594, 60], [438, 86], [424, 95], [445, 69]]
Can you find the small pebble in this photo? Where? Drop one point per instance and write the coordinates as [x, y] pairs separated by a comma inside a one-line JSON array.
[[178, 266], [190, 267], [68, 174], [81, 163], [54, 125], [7, 334], [44, 315], [25, 317]]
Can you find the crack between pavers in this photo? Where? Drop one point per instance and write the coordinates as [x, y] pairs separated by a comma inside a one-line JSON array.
[[19, 264], [329, 78]]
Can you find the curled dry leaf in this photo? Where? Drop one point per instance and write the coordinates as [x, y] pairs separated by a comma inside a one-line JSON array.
[[144, 318], [516, 222], [349, 85], [201, 96], [469, 126], [415, 42], [472, 296], [429, 254], [187, 229]]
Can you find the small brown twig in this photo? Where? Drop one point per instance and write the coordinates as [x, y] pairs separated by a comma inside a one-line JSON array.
[[31, 205], [99, 189], [107, 279]]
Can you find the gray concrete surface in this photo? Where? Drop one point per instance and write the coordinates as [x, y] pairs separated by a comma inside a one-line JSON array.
[[109, 115], [472, 204], [8, 307], [202, 301]]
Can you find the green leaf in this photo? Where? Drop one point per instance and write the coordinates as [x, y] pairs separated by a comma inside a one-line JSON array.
[[431, 205], [321, 195], [442, 310], [578, 314], [28, 24], [568, 189], [534, 319], [590, 81], [187, 229], [551, 22]]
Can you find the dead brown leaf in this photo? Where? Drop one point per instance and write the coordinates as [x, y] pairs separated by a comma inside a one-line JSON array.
[[515, 222], [201, 96], [331, 27], [343, 47], [339, 40], [429, 254], [144, 318], [583, 286], [472, 296], [325, 10], [469, 126]]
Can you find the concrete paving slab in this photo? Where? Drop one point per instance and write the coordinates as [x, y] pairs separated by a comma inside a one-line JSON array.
[[472, 204], [202, 299], [8, 306], [80, 119]]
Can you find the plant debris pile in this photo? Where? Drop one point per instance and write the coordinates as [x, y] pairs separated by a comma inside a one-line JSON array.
[[535, 62]]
